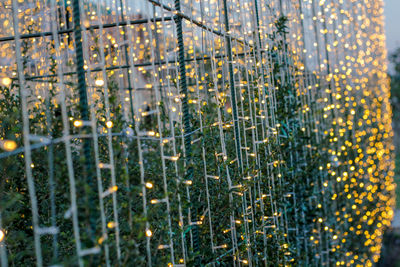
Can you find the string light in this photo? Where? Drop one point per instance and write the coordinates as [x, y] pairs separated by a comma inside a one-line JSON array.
[[6, 81], [8, 145], [109, 124], [99, 82], [78, 123], [2, 235], [148, 233], [257, 124]]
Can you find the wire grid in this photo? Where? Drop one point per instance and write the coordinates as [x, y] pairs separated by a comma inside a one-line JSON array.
[[153, 133]]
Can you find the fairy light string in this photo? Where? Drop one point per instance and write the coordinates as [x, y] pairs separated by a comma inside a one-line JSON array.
[[240, 132]]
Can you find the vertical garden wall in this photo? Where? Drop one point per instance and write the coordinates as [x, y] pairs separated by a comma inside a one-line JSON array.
[[193, 133]]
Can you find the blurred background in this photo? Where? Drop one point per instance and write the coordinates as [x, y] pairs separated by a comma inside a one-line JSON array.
[[391, 249], [392, 8]]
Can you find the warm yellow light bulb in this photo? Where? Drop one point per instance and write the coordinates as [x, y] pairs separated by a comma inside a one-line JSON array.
[[188, 182], [114, 189], [78, 123], [8, 145], [2, 235], [6, 81], [149, 233], [109, 124], [99, 82]]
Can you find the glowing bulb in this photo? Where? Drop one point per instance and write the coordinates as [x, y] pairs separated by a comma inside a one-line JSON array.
[[6, 81], [111, 225], [99, 82], [2, 235], [78, 123], [174, 158], [8, 145], [149, 185], [109, 124], [149, 233], [114, 189]]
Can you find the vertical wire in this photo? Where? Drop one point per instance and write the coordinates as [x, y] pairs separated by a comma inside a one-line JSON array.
[[109, 134], [3, 247], [66, 133], [24, 92]]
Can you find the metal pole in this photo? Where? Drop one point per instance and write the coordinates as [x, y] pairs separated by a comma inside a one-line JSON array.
[[84, 110], [186, 125]]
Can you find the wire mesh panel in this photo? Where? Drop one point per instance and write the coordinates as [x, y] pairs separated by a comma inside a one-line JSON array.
[[193, 133]]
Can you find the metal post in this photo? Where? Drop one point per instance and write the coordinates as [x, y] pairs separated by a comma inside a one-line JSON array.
[[84, 110], [186, 125]]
